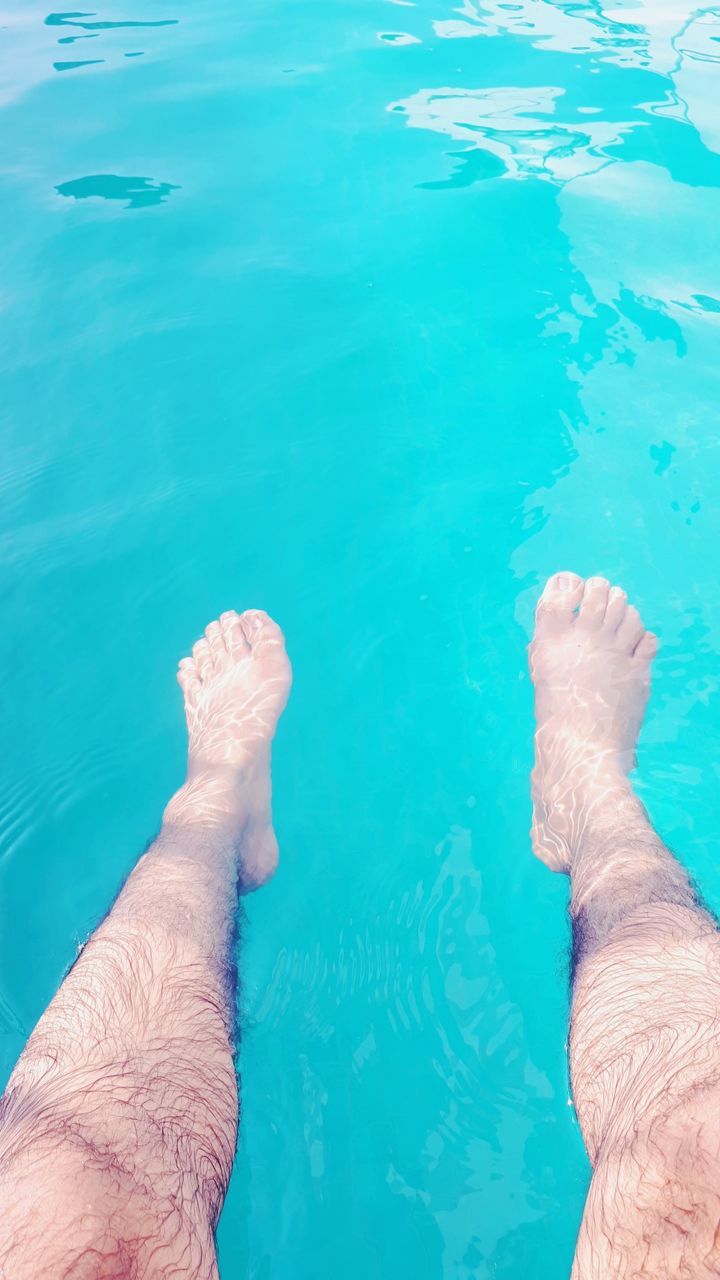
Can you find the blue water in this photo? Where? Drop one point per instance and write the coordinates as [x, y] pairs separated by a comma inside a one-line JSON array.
[[373, 315]]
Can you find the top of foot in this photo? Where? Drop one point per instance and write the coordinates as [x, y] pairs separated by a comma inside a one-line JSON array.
[[590, 664], [235, 686]]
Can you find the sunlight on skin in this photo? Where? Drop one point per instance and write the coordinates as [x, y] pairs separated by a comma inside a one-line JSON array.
[[119, 1121], [590, 663], [644, 1046], [236, 685]]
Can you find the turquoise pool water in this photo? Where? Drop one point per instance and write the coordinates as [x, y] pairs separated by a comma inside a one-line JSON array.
[[371, 314]]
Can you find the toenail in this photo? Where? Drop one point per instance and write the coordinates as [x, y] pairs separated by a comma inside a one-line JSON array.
[[565, 582]]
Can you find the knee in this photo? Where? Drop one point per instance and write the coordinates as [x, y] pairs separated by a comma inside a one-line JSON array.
[[70, 1211], [654, 1204]]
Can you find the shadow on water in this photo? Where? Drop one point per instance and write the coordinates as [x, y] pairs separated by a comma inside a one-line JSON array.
[[70, 20], [140, 193], [74, 66]]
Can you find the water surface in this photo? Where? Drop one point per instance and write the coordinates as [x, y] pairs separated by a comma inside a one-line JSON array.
[[372, 315]]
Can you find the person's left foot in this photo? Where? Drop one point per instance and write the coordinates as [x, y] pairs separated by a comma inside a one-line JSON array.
[[236, 685]]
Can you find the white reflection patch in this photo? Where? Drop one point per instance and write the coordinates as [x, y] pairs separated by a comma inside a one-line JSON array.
[[514, 125]]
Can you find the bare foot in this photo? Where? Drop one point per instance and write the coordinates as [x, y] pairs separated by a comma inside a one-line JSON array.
[[590, 664], [236, 685]]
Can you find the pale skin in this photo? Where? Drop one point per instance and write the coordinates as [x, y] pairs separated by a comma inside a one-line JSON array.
[[118, 1124], [645, 1028]]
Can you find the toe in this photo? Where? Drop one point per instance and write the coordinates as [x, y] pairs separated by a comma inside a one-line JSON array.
[[647, 646], [631, 629], [188, 679], [216, 641], [616, 606], [267, 644], [594, 603], [235, 640], [560, 597], [260, 628], [203, 659]]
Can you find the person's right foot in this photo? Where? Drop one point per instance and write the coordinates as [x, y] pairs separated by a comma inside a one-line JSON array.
[[590, 664], [235, 686]]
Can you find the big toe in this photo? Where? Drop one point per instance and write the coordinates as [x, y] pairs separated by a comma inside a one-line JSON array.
[[260, 628], [269, 660], [561, 596], [265, 638]]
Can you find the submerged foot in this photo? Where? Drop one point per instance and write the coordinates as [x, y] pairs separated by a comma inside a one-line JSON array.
[[235, 686], [590, 664]]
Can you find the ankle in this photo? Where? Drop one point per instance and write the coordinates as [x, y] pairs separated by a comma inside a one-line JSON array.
[[572, 808], [216, 798]]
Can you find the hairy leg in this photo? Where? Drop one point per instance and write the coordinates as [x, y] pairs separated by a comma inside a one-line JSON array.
[[645, 1030], [118, 1124]]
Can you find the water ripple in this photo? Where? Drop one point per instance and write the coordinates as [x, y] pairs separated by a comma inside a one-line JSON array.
[[518, 127], [412, 971], [29, 54], [73, 19]]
